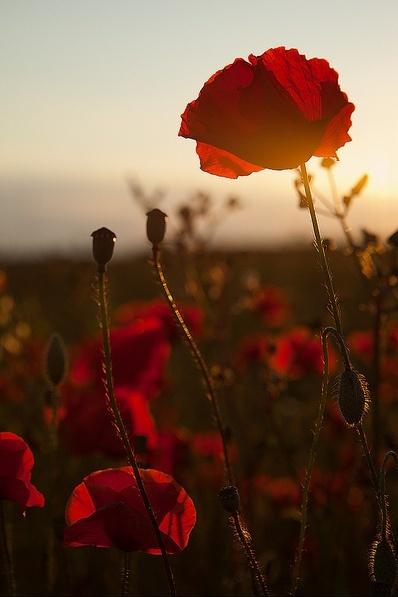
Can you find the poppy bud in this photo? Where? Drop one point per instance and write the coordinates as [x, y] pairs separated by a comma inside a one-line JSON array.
[[383, 563], [103, 245], [230, 500], [156, 226], [353, 396], [56, 360], [358, 188]]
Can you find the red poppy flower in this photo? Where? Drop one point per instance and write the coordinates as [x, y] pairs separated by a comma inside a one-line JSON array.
[[106, 510], [130, 312], [299, 353], [140, 352], [16, 463], [361, 343], [271, 304], [254, 349], [85, 421], [275, 111]]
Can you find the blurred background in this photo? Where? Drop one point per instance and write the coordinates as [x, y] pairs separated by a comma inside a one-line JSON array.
[[92, 95]]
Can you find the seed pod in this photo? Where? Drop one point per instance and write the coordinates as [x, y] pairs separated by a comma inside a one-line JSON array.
[[383, 563], [56, 360], [230, 500], [156, 226], [103, 245], [353, 396]]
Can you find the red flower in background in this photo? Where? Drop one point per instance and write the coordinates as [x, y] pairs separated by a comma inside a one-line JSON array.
[[140, 353], [361, 344], [271, 304], [132, 312], [253, 350], [275, 111], [282, 491], [298, 353], [85, 422], [106, 510], [16, 463]]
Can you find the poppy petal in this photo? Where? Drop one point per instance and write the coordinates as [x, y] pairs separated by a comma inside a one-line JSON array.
[[223, 163]]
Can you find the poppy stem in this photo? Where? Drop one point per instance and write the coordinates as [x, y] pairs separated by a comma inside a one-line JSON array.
[[199, 361], [310, 464], [118, 420], [241, 531], [126, 571], [6, 557], [333, 304]]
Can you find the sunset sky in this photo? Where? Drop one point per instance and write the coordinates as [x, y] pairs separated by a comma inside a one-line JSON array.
[[92, 92]]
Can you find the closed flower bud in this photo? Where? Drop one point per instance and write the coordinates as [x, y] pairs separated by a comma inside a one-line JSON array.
[[383, 563], [56, 360], [360, 185], [230, 500], [353, 396], [103, 245], [156, 226]]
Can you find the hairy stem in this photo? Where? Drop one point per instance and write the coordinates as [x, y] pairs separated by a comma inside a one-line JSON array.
[[118, 420], [333, 305], [310, 465], [212, 397]]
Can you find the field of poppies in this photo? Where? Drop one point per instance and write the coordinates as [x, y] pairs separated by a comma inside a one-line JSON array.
[[195, 422]]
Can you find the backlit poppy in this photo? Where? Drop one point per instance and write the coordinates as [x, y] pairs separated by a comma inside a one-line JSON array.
[[274, 111], [16, 463], [106, 510]]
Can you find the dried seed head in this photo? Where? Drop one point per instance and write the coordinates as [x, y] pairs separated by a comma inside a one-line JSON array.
[[383, 563], [103, 245], [56, 360], [156, 226], [230, 500], [353, 396]]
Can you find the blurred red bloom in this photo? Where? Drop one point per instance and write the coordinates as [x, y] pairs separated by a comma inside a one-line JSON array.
[[361, 344], [140, 352], [282, 491], [106, 510], [131, 312], [270, 302], [253, 350], [275, 111], [85, 422], [299, 353], [16, 463]]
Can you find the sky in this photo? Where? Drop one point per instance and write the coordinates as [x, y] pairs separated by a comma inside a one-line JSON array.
[[92, 93]]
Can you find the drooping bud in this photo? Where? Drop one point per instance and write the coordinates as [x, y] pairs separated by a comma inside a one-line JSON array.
[[383, 564], [353, 396], [229, 498], [56, 360], [156, 226], [103, 245]]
